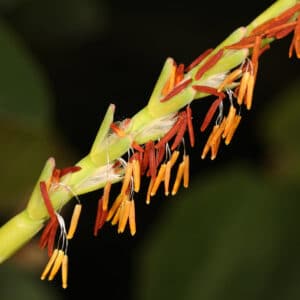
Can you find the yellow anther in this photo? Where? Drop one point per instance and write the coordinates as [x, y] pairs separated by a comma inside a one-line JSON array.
[[127, 178], [207, 146], [215, 147], [148, 196], [243, 87], [229, 79], [233, 128], [249, 92], [116, 217], [159, 178], [178, 178], [64, 271], [57, 264], [132, 224], [106, 192], [74, 221], [229, 120], [136, 174], [124, 215], [49, 264], [114, 207], [218, 133], [174, 157], [169, 85], [186, 171], [167, 177]]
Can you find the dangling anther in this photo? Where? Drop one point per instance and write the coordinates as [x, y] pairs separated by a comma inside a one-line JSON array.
[[74, 221]]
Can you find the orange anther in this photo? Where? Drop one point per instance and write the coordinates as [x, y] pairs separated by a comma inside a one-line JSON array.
[[57, 264], [127, 178], [169, 85], [208, 143], [249, 92], [136, 171], [49, 264], [233, 128], [243, 87], [159, 178], [132, 224], [229, 120], [114, 207], [229, 79], [186, 171], [106, 192], [174, 157], [124, 215], [74, 221], [167, 177], [178, 178], [148, 196], [64, 271]]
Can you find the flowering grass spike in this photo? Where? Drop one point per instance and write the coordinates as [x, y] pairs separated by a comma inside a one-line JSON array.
[[152, 145]]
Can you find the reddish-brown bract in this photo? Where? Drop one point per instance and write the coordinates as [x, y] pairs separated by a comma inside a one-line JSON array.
[[210, 113], [210, 62], [49, 233], [200, 58], [176, 90], [190, 126], [100, 216]]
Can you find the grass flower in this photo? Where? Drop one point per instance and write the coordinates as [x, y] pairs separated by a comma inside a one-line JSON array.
[[153, 145]]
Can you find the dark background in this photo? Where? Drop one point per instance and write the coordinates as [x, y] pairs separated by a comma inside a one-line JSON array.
[[117, 59]]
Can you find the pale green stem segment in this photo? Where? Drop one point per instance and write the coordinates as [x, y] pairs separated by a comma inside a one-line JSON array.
[[109, 147], [101, 135], [16, 232]]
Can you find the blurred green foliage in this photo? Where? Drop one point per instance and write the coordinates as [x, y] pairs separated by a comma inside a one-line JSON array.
[[28, 138], [17, 283], [58, 23], [26, 129]]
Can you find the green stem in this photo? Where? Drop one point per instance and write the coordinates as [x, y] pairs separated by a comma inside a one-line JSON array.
[[17, 232]]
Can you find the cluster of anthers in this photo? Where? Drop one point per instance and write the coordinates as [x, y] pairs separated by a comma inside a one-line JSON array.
[[157, 159], [58, 255]]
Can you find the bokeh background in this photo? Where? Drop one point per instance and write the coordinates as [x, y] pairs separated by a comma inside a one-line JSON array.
[[234, 234]]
